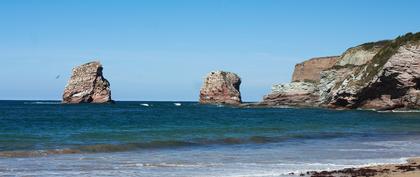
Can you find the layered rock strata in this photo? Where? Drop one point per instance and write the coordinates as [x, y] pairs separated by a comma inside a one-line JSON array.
[[390, 80], [221, 87], [87, 85], [380, 75], [309, 71], [303, 90], [292, 94]]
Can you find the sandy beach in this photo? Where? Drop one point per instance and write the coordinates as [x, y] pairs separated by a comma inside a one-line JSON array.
[[409, 169]]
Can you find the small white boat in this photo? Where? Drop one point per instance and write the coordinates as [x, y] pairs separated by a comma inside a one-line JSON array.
[[145, 104], [177, 104]]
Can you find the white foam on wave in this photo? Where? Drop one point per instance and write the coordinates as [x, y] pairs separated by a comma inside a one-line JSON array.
[[175, 165], [145, 105], [405, 110], [42, 102], [138, 165], [309, 167], [393, 144], [399, 111], [177, 104]]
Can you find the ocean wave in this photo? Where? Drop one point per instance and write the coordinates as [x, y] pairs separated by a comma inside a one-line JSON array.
[[104, 148], [38, 153], [177, 165], [42, 102], [133, 146], [392, 144], [98, 148], [400, 111]]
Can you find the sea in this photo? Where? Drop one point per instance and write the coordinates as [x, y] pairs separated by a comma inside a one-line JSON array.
[[154, 139]]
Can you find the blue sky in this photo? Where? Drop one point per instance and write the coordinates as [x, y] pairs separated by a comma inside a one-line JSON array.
[[161, 50]]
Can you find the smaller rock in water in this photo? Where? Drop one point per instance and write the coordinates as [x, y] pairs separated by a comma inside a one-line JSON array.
[[87, 85], [221, 87]]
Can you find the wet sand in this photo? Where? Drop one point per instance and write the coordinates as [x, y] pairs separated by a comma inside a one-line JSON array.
[[409, 169]]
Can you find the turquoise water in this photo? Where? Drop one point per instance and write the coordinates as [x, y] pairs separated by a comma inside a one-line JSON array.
[[45, 138]]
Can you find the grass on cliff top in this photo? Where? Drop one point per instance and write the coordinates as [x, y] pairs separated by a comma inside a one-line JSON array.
[[370, 45], [387, 51]]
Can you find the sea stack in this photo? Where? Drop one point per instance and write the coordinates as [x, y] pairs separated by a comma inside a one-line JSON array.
[[221, 87], [87, 85]]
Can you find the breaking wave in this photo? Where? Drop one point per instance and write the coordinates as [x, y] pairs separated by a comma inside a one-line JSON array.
[[42, 102], [104, 148]]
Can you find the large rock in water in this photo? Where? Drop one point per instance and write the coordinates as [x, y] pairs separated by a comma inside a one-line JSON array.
[[87, 85], [221, 87]]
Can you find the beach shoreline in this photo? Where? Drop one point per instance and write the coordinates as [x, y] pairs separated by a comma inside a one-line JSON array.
[[411, 168]]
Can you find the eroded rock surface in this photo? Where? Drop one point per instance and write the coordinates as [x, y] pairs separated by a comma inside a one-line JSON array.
[[392, 85], [292, 94], [309, 71], [361, 54], [87, 85], [221, 87], [303, 90], [382, 75]]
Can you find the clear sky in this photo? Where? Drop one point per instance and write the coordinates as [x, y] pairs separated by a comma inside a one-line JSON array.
[[161, 50]]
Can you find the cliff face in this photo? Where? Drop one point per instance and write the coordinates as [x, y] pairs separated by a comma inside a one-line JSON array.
[[303, 90], [379, 75], [310, 70], [292, 94], [361, 54], [221, 87], [87, 85], [347, 65], [389, 80]]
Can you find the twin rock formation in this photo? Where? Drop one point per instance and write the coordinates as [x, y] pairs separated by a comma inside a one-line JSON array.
[[381, 75], [87, 85]]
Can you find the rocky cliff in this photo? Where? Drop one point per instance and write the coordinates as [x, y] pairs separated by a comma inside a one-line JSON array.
[[309, 71], [221, 87], [303, 90], [377, 75], [292, 94], [87, 85], [389, 80]]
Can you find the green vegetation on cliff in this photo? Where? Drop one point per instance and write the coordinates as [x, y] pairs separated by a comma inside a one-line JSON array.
[[370, 45], [388, 50]]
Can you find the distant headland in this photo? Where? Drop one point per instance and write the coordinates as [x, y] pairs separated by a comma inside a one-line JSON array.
[[383, 75]]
